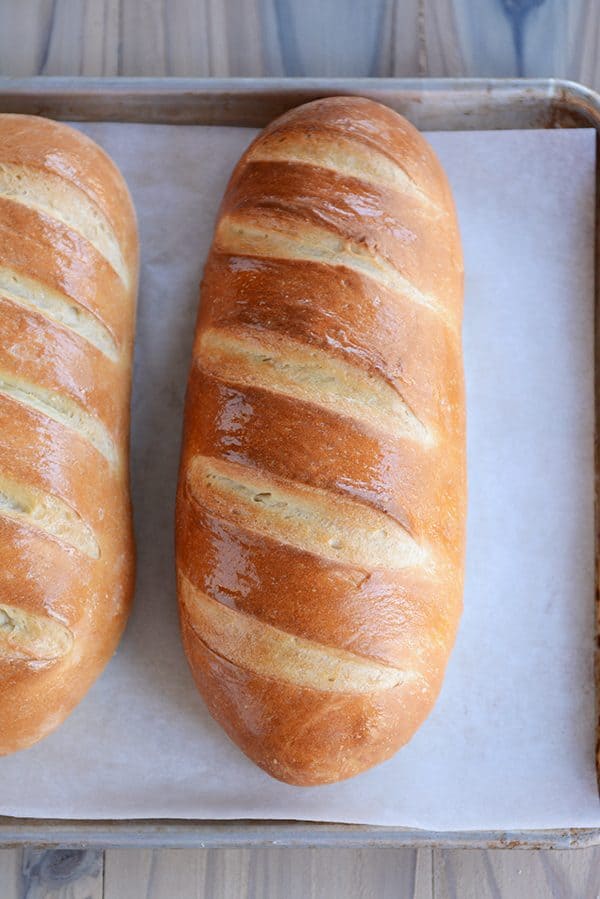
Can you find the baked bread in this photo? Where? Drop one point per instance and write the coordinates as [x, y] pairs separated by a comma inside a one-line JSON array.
[[68, 283], [321, 500]]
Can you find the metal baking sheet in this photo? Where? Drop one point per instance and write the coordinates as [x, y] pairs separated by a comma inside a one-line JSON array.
[[438, 104]]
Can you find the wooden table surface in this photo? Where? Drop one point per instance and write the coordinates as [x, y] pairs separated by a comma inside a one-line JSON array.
[[301, 37]]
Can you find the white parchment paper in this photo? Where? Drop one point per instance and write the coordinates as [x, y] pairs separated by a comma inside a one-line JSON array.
[[510, 742]]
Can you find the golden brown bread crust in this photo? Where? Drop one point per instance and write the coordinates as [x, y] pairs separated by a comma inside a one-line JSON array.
[[68, 284], [321, 502]]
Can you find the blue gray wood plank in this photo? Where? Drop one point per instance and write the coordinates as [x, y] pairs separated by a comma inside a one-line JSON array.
[[10, 873], [51, 874], [505, 874], [269, 874], [301, 37]]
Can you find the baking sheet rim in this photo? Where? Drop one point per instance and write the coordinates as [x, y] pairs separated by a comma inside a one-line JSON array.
[[465, 103]]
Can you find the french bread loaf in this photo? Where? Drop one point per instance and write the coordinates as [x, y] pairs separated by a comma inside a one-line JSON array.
[[68, 283], [321, 501]]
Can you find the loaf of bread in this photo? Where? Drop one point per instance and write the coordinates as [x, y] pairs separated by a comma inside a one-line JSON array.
[[321, 500], [68, 282]]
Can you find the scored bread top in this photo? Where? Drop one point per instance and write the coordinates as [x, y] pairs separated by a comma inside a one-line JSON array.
[[321, 504], [68, 283]]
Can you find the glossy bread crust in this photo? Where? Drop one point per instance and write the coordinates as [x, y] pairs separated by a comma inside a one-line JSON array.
[[321, 501], [68, 284]]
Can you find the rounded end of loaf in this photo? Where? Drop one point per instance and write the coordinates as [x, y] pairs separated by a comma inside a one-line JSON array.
[[46, 666], [64, 168], [39, 694], [358, 138], [59, 631], [301, 736]]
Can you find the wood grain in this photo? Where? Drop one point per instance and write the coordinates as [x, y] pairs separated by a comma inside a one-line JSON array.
[[301, 37], [318, 38], [496, 874], [61, 873], [10, 873], [269, 873]]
